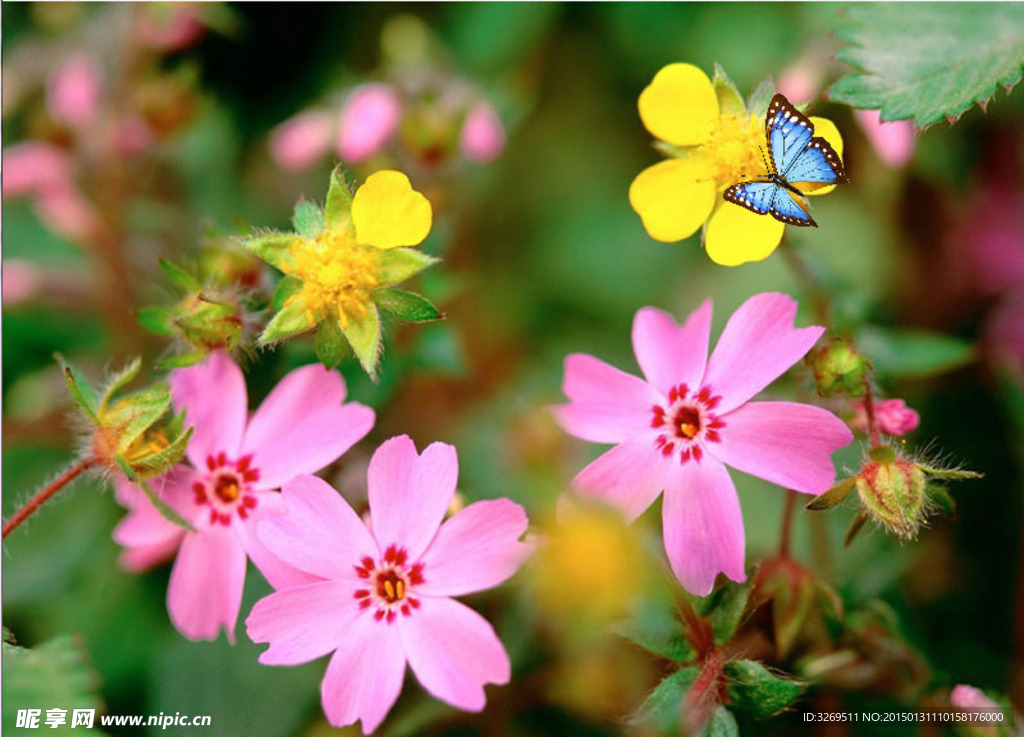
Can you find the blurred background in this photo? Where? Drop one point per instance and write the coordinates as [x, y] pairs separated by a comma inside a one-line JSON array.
[[138, 132]]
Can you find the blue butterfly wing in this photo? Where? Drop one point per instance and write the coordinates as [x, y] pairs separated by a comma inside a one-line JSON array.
[[789, 132], [789, 210], [755, 196], [819, 163]]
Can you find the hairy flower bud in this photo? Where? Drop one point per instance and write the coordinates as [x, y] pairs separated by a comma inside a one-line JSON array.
[[893, 492], [839, 369]]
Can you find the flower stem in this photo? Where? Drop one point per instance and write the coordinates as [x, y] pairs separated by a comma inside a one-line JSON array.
[[45, 493], [787, 524], [698, 631], [869, 410]]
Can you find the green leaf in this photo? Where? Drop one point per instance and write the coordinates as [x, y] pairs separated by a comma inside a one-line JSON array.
[[658, 631], [364, 336], [80, 389], [338, 209], [119, 380], [288, 287], [395, 265], [289, 321], [755, 690], [721, 724], [179, 277], [331, 344], [272, 247], [928, 61], [406, 306], [664, 704], [308, 219], [726, 609], [56, 674], [918, 353], [155, 320], [161, 506], [730, 102]]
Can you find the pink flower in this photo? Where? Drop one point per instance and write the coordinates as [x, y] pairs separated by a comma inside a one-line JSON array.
[[678, 430], [368, 121], [301, 140], [170, 27], [893, 416], [969, 697], [894, 141], [32, 168], [73, 95], [22, 281], [482, 137], [387, 595], [237, 462]]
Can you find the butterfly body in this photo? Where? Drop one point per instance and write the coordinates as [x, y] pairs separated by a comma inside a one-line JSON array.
[[795, 156]]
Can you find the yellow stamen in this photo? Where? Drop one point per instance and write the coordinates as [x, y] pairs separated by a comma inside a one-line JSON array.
[[688, 429], [389, 589], [401, 589], [735, 149]]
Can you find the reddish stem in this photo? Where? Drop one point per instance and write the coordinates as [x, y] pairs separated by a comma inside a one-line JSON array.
[[869, 410], [49, 490], [787, 524], [698, 630]]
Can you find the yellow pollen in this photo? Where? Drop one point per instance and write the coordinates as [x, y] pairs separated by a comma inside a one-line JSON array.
[[688, 429], [389, 588], [338, 276], [735, 150], [401, 589]]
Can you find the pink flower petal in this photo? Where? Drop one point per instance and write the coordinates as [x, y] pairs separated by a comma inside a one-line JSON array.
[[147, 536], [608, 405], [893, 141], [279, 574], [303, 426], [318, 533], [476, 549], [968, 697], [300, 141], [365, 675], [757, 346], [304, 623], [483, 136], [73, 95], [669, 354], [629, 476], [370, 118], [213, 395], [703, 526], [786, 443], [206, 584], [410, 494], [33, 167], [454, 652]]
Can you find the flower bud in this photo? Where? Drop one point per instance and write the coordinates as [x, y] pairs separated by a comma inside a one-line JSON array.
[[892, 491], [839, 369], [893, 416], [483, 137], [74, 94], [368, 121]]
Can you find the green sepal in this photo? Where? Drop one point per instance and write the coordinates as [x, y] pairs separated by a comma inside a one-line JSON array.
[[183, 361], [833, 496], [163, 461], [363, 335], [730, 102], [136, 413], [80, 389], [721, 724], [179, 277], [156, 320], [676, 152], [406, 306], [289, 321], [308, 219], [119, 380], [395, 265], [161, 506], [331, 345], [941, 501], [338, 208], [271, 247], [948, 473], [754, 690], [288, 287], [726, 610], [855, 527], [761, 97], [663, 706]]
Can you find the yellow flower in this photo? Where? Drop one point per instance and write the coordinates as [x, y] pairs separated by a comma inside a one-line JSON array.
[[714, 142], [341, 263]]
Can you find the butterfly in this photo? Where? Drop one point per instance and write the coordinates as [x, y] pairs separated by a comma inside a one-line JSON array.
[[795, 156]]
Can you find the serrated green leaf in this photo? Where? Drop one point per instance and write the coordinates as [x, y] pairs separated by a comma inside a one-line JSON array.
[[660, 632], [664, 704], [155, 320], [721, 724], [338, 209], [289, 321], [928, 61], [755, 690], [308, 219], [271, 247], [55, 674], [179, 277], [726, 610], [161, 506], [917, 353], [730, 102], [80, 389], [288, 287], [363, 335], [331, 345], [395, 265], [119, 380], [406, 306]]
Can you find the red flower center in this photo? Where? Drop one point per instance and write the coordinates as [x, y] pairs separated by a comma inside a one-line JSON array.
[[226, 489], [391, 581], [686, 422]]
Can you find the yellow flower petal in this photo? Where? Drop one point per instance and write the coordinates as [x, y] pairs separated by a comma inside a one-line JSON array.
[[824, 128], [737, 236], [679, 105], [389, 213], [673, 197]]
